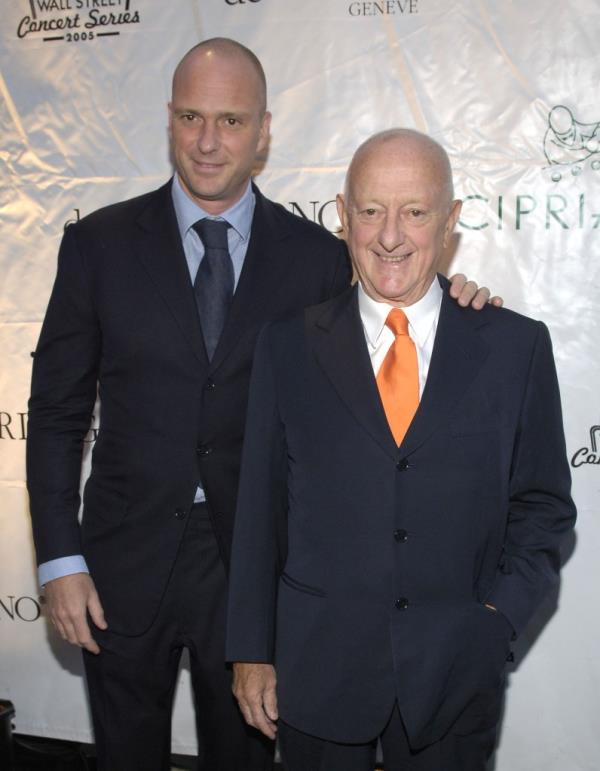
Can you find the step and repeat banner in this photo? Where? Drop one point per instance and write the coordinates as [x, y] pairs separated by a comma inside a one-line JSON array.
[[511, 89]]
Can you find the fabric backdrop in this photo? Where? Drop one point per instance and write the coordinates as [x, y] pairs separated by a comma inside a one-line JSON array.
[[509, 88]]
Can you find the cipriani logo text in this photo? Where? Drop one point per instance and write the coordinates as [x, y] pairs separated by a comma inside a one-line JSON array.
[[570, 145], [75, 21], [588, 456]]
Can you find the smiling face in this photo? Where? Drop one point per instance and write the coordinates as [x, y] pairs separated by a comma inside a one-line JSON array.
[[217, 125], [398, 215]]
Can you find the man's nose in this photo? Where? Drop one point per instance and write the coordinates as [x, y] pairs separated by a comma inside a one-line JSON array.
[[392, 233], [208, 137]]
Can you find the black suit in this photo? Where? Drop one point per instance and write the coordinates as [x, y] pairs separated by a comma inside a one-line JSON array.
[[392, 552], [123, 317]]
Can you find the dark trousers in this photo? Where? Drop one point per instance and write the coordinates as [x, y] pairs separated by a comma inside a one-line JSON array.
[[455, 752], [132, 681]]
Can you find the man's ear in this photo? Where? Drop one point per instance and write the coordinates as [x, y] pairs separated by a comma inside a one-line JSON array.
[[451, 221], [265, 132], [170, 111], [340, 205]]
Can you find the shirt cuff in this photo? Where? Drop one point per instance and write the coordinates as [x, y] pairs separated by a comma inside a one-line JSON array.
[[63, 566]]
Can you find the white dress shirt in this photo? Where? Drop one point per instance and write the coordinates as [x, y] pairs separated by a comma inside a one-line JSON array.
[[422, 318]]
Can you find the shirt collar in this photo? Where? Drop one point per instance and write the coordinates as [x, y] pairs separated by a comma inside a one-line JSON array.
[[421, 315], [239, 216]]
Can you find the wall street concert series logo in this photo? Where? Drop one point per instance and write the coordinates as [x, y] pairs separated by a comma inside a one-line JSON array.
[[74, 21], [588, 455]]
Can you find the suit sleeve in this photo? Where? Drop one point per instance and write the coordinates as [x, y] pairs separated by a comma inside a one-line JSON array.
[[541, 510], [63, 393], [260, 538]]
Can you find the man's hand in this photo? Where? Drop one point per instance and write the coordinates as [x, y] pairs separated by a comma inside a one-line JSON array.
[[69, 599], [467, 293], [254, 688]]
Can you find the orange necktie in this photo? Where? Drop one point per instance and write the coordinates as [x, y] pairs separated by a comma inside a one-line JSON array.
[[398, 377]]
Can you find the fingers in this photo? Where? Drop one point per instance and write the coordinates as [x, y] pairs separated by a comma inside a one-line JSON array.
[[254, 688], [67, 600], [467, 293], [476, 297], [96, 610], [270, 704], [457, 283]]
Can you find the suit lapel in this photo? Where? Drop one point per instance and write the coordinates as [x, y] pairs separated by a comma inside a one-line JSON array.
[[263, 271], [341, 351], [161, 253], [458, 354]]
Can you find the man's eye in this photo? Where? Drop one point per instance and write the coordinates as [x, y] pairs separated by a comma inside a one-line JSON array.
[[188, 116], [232, 121], [369, 212], [416, 213]]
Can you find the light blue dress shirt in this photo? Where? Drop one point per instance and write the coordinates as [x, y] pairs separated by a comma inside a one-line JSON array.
[[239, 217]]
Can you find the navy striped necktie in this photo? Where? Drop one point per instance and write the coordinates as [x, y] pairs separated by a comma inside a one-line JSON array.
[[213, 285]]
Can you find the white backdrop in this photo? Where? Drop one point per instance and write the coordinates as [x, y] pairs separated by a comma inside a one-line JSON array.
[[509, 88]]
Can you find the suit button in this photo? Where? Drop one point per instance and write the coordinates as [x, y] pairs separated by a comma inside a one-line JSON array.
[[204, 450], [210, 385], [401, 603], [401, 535], [179, 514], [402, 465]]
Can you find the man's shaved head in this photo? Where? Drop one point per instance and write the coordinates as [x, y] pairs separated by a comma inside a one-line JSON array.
[[226, 48], [429, 152]]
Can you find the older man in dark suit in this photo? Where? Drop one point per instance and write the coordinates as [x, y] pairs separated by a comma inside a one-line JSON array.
[[157, 304], [403, 494]]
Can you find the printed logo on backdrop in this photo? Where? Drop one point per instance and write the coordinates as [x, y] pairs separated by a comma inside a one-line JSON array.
[[241, 2], [571, 149], [588, 456], [383, 7], [570, 145], [24, 608], [74, 21], [322, 212], [13, 427]]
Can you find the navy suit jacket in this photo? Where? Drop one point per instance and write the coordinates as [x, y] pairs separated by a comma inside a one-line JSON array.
[[361, 568], [122, 320]]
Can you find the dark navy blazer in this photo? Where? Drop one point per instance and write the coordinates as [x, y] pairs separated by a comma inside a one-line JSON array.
[[122, 319], [361, 568]]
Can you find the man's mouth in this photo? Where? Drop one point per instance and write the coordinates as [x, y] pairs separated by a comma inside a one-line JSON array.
[[207, 166], [393, 259]]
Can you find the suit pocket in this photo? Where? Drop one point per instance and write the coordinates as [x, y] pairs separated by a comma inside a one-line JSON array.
[[103, 504], [301, 587]]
